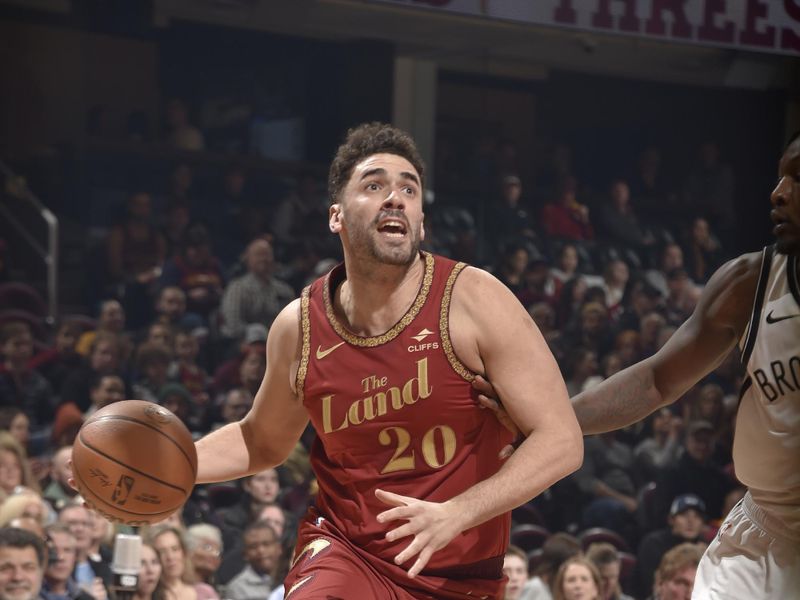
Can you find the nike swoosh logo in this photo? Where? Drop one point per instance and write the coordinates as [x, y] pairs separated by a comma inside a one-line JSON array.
[[771, 319], [323, 353]]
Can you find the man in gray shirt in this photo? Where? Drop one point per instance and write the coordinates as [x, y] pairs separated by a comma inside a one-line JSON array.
[[262, 550]]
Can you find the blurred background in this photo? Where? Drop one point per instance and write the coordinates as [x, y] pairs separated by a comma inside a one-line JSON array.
[[161, 159]]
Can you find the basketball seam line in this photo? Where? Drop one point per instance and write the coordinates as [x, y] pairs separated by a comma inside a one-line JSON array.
[[111, 458], [156, 429]]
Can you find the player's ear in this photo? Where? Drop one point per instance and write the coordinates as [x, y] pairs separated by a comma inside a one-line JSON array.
[[335, 217], [422, 229]]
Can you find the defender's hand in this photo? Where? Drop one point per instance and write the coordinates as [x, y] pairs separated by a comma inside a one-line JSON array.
[[487, 398], [432, 524]]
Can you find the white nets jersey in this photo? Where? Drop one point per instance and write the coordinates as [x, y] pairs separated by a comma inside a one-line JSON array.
[[766, 448]]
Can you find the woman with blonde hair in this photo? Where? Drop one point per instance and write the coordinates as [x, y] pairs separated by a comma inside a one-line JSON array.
[[25, 503], [577, 579], [14, 468], [177, 575]]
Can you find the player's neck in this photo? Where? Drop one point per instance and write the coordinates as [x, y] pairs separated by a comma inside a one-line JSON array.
[[371, 301]]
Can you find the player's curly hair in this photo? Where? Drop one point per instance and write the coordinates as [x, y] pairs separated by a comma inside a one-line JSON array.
[[363, 141]]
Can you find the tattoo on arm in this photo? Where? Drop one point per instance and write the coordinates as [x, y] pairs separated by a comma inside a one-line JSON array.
[[624, 398]]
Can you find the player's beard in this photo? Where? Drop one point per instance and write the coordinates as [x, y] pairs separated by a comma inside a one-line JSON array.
[[366, 242]]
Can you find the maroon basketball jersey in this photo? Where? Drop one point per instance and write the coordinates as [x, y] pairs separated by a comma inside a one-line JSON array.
[[397, 412]]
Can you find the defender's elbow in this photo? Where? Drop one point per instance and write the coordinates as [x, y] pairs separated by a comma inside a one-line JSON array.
[[573, 451]]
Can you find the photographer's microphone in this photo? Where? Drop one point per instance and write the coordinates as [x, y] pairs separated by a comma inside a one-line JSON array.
[[125, 565]]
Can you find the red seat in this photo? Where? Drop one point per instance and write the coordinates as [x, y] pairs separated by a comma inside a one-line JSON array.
[[529, 537], [21, 296], [601, 534], [35, 322]]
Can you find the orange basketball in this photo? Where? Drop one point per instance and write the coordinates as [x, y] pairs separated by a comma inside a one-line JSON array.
[[134, 462]]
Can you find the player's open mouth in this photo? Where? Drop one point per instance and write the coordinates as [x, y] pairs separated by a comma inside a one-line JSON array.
[[392, 228]]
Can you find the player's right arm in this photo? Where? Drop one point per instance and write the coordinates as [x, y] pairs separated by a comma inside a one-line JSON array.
[[693, 351], [270, 430]]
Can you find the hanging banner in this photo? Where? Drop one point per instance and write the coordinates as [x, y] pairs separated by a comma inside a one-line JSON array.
[[758, 25]]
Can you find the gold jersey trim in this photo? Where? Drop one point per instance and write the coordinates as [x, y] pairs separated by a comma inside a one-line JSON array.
[[305, 324], [444, 325], [405, 321]]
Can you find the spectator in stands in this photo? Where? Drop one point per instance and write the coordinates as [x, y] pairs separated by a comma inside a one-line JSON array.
[[608, 478], [102, 538], [567, 218], [570, 300], [15, 472], [104, 390], [58, 581], [196, 271], [104, 358], [177, 572], [152, 365], [260, 489], [136, 253], [262, 550], [21, 386], [686, 522], [581, 364], [226, 376], [661, 449], [298, 215], [606, 558], [682, 298], [68, 421], [650, 192], [544, 315], [235, 406], [515, 567], [628, 347], [149, 586], [643, 299], [671, 259], [513, 262], [88, 571], [650, 329], [182, 134], [256, 297], [162, 335], [710, 189], [185, 370], [251, 370], [16, 422], [591, 331], [675, 575], [694, 473], [566, 267], [24, 558], [558, 548], [4, 271], [59, 492], [171, 309], [24, 504], [178, 400], [110, 318], [615, 281], [537, 284], [509, 220], [619, 222], [577, 579], [703, 252], [56, 362], [205, 551]]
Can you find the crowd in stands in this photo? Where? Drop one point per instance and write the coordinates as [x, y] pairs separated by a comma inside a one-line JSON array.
[[189, 280]]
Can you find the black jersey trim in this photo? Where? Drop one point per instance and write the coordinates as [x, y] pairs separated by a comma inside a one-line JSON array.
[[758, 304], [794, 285], [745, 386]]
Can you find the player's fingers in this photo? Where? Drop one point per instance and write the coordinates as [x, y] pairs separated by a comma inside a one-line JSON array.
[[72, 484], [417, 544], [506, 452], [421, 561], [393, 514], [483, 386], [400, 532], [392, 499], [487, 402]]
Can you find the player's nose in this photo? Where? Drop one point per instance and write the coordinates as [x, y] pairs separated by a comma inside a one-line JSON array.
[[780, 195], [394, 200]]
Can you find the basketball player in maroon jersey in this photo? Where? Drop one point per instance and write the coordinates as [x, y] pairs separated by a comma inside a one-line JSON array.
[[380, 354]]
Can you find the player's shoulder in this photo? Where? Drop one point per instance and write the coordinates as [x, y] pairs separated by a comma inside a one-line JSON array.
[[478, 288], [286, 328], [729, 293]]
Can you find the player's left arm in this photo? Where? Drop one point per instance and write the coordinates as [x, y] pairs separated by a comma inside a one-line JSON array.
[[494, 335]]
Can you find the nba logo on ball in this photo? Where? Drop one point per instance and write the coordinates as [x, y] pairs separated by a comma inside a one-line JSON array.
[[135, 462]]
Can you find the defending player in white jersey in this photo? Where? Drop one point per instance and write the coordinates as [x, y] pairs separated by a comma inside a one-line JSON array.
[[752, 301]]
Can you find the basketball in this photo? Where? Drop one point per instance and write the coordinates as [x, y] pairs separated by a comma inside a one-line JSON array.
[[134, 462]]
